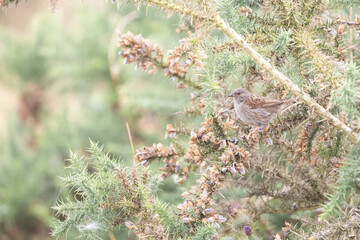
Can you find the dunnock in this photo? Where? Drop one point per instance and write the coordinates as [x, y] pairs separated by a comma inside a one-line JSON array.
[[255, 110]]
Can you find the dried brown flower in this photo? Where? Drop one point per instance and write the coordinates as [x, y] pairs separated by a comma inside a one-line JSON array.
[[170, 131], [123, 178], [149, 57], [137, 49], [199, 199], [181, 60], [169, 157], [147, 154], [245, 10]]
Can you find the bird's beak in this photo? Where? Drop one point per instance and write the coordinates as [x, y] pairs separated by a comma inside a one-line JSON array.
[[230, 95]]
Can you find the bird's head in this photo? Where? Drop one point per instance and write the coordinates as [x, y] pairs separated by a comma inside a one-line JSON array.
[[240, 94]]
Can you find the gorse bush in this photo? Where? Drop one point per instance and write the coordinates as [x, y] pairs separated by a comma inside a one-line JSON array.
[[59, 105], [283, 181]]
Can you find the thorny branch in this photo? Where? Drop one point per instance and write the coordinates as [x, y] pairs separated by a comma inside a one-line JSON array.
[[260, 60]]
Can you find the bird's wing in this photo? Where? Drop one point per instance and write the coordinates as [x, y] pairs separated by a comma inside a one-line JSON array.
[[257, 102]]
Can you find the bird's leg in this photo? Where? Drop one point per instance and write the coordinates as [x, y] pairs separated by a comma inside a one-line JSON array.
[[259, 128], [253, 132]]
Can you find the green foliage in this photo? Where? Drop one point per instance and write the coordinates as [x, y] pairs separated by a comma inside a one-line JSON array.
[[333, 148], [168, 219], [70, 63], [204, 232], [286, 172], [44, 56], [27, 58], [223, 62], [100, 197], [345, 188], [346, 97], [228, 10], [111, 195], [31, 161], [289, 35], [344, 3], [290, 68], [22, 169], [281, 42]]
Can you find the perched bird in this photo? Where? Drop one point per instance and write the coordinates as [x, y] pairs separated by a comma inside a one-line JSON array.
[[255, 110]]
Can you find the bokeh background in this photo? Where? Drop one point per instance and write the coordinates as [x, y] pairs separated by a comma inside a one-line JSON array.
[[61, 84]]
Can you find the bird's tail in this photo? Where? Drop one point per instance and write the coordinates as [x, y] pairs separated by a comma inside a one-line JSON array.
[[291, 100], [285, 105]]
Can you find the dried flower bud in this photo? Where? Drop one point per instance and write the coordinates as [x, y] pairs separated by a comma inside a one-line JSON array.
[[130, 225], [232, 169], [242, 170], [140, 50], [187, 220], [222, 219], [123, 178], [208, 211], [205, 193]]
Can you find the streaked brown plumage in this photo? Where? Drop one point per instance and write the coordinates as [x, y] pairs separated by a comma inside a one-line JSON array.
[[255, 110]]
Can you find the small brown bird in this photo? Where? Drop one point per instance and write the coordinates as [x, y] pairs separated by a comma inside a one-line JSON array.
[[256, 110]]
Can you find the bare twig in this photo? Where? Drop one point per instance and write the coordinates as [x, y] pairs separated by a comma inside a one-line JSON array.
[[130, 139]]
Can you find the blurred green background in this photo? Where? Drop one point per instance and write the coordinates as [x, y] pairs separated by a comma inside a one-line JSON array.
[[61, 84]]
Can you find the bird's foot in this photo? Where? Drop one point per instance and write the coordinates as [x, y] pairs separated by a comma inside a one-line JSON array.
[[253, 137], [253, 133]]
